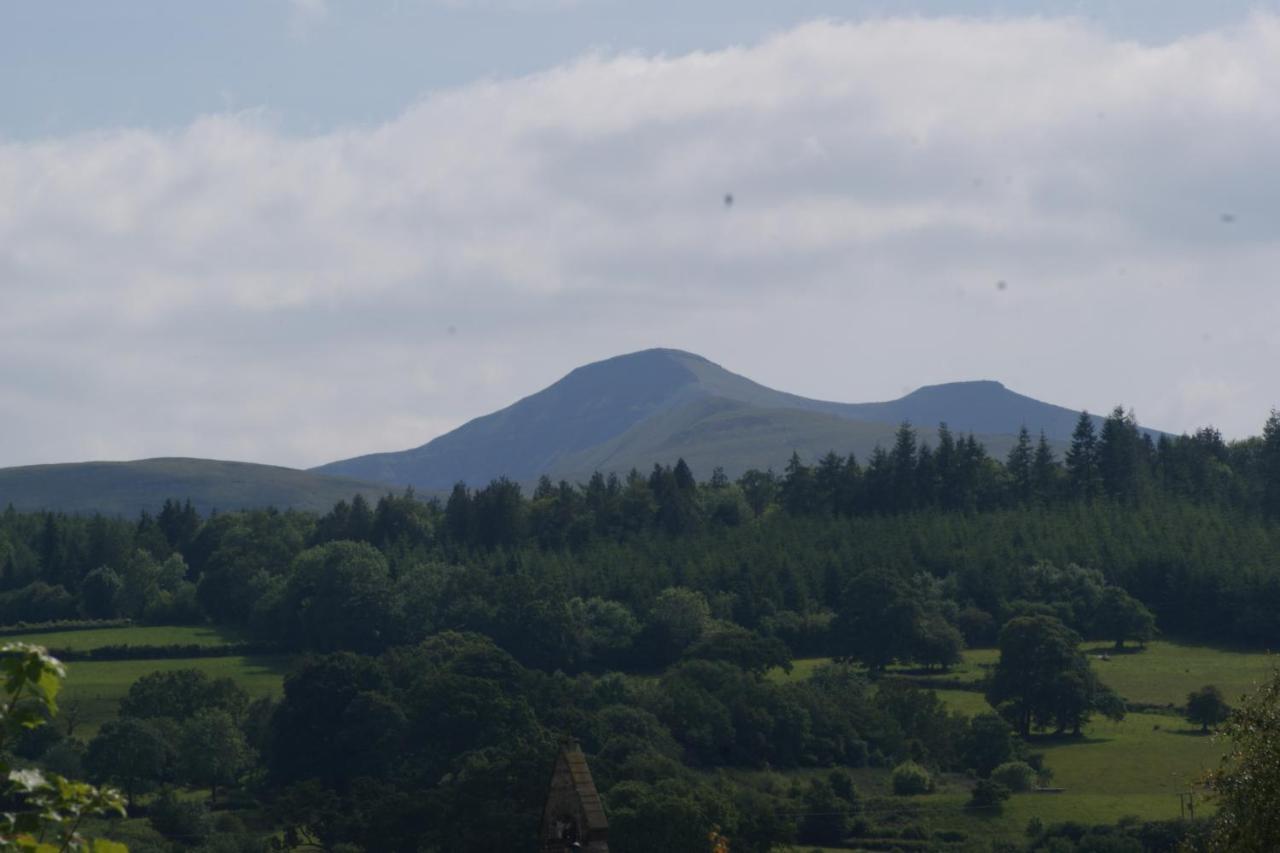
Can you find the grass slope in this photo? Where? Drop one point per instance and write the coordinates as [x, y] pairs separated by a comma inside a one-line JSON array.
[[737, 436], [128, 488], [138, 635], [93, 689], [1136, 767], [1165, 672]]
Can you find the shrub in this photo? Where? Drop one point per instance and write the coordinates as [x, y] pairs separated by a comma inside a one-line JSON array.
[[910, 778], [1015, 775], [180, 819], [988, 796]]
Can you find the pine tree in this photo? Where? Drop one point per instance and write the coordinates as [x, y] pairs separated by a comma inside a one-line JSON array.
[[459, 517], [1269, 465], [1082, 459], [1019, 466], [798, 492], [360, 524], [684, 477], [1120, 455], [947, 461], [1044, 471], [902, 462]]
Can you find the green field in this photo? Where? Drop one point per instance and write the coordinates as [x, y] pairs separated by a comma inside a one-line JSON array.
[[1160, 675], [94, 688], [1165, 672], [93, 638], [1136, 767]]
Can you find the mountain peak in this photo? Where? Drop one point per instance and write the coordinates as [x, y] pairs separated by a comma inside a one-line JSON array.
[[962, 385], [655, 405]]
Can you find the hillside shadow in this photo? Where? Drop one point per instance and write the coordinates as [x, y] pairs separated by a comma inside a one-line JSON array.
[[269, 664], [1108, 650], [1065, 739]]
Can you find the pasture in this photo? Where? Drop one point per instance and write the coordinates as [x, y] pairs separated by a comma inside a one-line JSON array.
[[1136, 767], [133, 635], [93, 689], [1164, 673]]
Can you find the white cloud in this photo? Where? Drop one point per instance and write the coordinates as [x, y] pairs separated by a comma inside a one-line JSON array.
[[232, 291], [304, 15]]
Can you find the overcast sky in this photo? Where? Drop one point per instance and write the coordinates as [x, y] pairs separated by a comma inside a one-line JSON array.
[[293, 231]]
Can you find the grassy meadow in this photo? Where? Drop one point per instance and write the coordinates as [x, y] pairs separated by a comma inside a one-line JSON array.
[[93, 689], [1134, 768], [133, 635], [1165, 672]]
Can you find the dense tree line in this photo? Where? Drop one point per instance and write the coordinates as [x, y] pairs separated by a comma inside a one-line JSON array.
[[453, 641], [1182, 526], [445, 745]]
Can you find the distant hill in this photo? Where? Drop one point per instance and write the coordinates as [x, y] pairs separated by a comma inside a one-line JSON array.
[[127, 488], [660, 404]]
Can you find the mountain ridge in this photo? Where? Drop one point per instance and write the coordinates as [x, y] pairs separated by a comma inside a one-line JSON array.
[[628, 411], [128, 488], [657, 404]]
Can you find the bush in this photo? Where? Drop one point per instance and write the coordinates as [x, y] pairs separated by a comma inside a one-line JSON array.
[[173, 651], [988, 796], [66, 758], [910, 778], [1017, 776], [21, 628], [180, 819]]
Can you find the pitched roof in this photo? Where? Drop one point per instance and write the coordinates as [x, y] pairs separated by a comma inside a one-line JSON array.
[[585, 787]]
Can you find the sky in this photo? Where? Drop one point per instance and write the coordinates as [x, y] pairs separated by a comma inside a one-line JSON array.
[[294, 231]]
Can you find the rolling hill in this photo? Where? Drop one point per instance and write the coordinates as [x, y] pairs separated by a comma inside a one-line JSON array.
[[128, 488], [661, 404], [614, 415]]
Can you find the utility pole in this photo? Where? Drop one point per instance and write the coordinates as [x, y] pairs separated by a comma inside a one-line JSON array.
[[1187, 805]]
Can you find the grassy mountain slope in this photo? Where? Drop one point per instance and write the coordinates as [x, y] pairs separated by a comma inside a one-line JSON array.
[[736, 436], [657, 405], [127, 488], [590, 406]]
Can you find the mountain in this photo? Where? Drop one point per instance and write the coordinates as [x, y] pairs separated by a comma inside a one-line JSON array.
[[128, 488], [661, 404]]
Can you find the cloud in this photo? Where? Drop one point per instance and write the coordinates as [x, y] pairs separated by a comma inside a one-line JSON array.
[[230, 290], [305, 15]]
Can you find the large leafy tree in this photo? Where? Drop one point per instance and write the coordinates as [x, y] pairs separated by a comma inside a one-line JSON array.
[[676, 620], [213, 751], [1206, 707], [1247, 787], [339, 596], [876, 623], [180, 694], [132, 753], [1042, 680], [1122, 617]]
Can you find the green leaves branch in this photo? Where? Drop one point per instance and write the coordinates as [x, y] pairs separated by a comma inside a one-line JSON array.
[[52, 808]]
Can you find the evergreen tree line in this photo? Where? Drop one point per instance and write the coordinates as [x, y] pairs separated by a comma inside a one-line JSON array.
[[1181, 526]]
